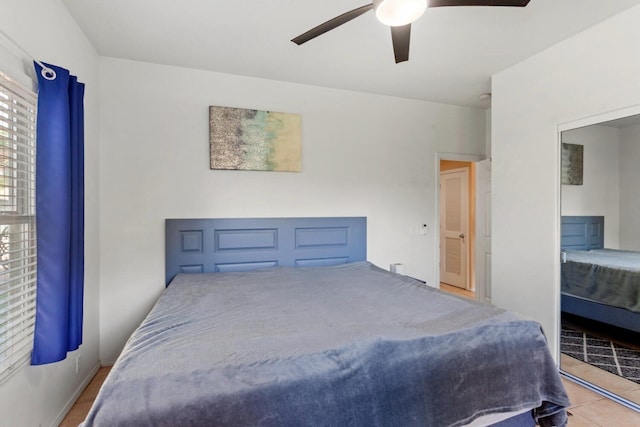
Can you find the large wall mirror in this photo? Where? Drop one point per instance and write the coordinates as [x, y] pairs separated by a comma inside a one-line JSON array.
[[600, 270]]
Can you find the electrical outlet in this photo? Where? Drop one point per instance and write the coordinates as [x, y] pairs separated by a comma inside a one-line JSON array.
[[77, 364]]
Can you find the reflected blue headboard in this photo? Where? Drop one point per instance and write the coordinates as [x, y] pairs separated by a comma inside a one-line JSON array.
[[241, 244], [582, 232]]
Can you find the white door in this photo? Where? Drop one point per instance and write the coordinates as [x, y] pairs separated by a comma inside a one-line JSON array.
[[454, 226], [483, 230]]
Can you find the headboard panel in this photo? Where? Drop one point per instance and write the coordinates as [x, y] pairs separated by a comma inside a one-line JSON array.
[[242, 244], [582, 232]]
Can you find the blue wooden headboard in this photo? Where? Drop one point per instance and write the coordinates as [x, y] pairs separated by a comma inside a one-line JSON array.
[[582, 232], [242, 244]]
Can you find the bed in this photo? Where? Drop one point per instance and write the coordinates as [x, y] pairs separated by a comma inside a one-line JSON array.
[[284, 322], [598, 283]]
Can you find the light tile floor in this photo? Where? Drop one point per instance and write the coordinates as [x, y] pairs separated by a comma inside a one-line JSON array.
[[629, 390], [590, 409]]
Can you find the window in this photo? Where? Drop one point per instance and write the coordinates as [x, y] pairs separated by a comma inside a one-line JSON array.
[[17, 224]]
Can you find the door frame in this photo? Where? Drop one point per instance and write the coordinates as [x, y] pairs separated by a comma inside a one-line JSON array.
[[480, 293]]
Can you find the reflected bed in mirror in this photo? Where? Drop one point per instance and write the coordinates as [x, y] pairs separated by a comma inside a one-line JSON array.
[[598, 283]]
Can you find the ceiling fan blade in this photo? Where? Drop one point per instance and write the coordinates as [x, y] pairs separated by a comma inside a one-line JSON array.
[[400, 36], [514, 3], [331, 24]]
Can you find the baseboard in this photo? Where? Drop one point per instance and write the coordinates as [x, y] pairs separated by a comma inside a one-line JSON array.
[[75, 396]]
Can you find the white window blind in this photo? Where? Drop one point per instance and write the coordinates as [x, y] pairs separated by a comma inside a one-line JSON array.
[[17, 224]]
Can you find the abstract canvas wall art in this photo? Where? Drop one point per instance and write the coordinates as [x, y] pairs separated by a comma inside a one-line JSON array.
[[242, 139], [571, 168]]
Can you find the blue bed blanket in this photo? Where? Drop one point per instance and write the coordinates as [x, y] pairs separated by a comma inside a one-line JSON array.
[[608, 276], [349, 345]]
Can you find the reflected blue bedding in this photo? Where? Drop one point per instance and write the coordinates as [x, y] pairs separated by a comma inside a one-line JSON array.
[[348, 345], [608, 276]]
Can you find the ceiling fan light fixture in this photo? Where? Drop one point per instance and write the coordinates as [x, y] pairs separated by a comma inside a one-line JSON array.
[[396, 13]]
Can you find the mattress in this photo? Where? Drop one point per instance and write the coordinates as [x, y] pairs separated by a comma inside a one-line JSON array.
[[606, 276], [348, 345]]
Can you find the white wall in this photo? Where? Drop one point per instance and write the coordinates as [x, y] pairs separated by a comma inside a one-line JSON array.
[[592, 73], [630, 188], [39, 396], [599, 193], [363, 155]]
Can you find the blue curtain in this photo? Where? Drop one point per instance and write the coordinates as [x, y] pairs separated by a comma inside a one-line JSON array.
[[59, 215]]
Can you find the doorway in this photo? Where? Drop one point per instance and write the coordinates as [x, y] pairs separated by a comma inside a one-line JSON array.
[[456, 193], [464, 227], [606, 187]]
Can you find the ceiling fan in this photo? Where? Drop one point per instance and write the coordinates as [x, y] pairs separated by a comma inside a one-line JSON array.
[[398, 14]]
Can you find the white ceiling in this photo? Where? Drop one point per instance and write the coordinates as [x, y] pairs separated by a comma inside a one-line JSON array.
[[454, 50]]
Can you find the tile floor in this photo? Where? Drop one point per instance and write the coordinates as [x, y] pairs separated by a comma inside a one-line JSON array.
[[629, 390], [588, 409], [592, 409]]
